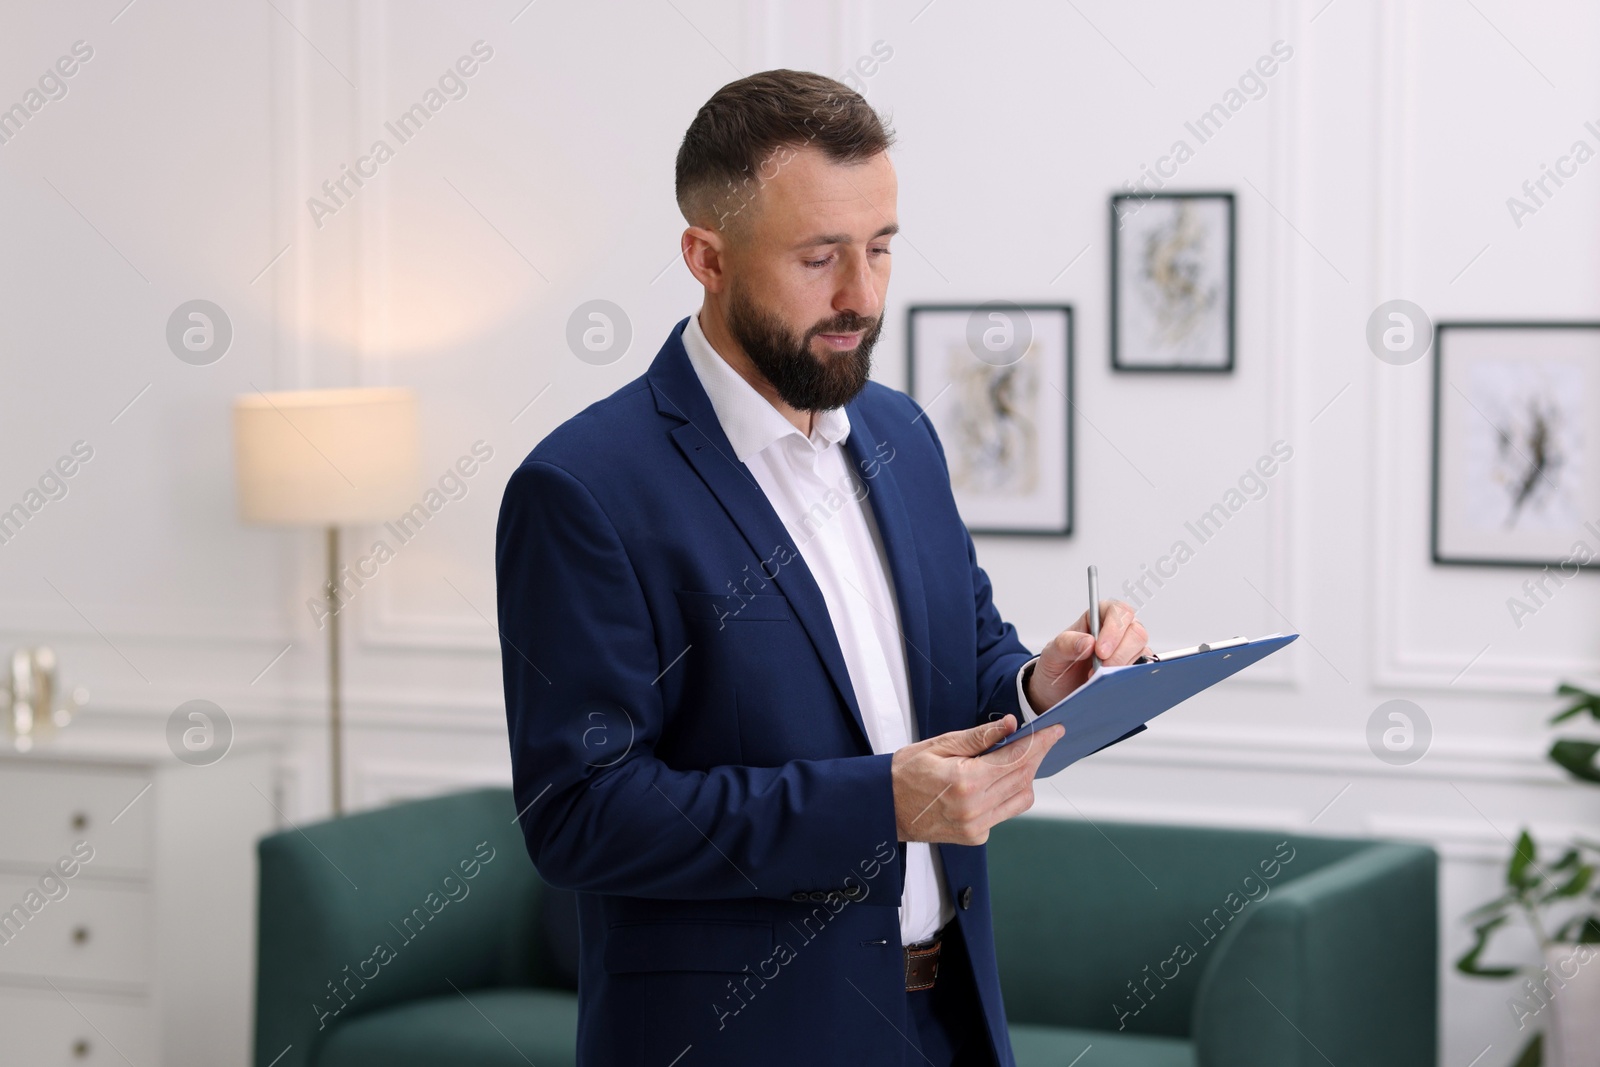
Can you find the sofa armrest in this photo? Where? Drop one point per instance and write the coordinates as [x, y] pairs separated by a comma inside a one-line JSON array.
[[384, 907], [1340, 966]]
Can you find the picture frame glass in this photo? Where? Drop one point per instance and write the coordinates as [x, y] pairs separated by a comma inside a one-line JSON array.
[[1516, 455], [1172, 282], [995, 381]]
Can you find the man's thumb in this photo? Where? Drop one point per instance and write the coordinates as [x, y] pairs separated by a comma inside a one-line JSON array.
[[977, 740]]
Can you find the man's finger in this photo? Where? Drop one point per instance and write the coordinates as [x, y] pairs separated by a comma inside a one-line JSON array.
[[1082, 625], [1072, 645], [1128, 649], [976, 740], [1024, 763], [1009, 756], [1014, 805], [1014, 778], [1051, 736], [1116, 619], [1019, 750], [1010, 796]]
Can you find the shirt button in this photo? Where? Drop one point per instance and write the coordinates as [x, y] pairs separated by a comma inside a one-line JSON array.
[[966, 898]]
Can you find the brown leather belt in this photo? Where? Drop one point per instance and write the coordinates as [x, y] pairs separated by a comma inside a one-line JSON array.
[[922, 964]]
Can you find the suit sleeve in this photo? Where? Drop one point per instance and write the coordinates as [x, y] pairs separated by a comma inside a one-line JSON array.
[[1000, 654], [599, 810]]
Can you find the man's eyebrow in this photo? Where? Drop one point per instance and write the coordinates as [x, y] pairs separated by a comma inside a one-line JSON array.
[[844, 238]]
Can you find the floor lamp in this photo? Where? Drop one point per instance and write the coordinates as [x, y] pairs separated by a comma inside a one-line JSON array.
[[329, 458]]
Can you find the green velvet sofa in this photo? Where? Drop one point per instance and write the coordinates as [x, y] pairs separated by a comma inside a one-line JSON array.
[[420, 934], [1167, 946]]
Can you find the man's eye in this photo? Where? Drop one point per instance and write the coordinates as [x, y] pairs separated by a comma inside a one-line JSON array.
[[819, 262]]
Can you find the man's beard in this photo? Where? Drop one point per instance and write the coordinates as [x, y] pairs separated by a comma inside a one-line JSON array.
[[804, 381]]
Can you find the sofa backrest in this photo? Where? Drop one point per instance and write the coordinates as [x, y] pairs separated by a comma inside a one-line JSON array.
[[1091, 921], [395, 904]]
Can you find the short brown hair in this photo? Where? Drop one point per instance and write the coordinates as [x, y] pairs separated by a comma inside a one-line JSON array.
[[733, 142]]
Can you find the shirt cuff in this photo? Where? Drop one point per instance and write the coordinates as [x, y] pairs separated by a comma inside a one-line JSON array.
[[1028, 714]]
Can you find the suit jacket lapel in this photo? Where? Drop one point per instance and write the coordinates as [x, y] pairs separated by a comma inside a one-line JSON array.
[[680, 396]]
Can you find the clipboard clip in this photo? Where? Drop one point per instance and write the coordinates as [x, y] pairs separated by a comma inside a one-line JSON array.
[[1156, 657]]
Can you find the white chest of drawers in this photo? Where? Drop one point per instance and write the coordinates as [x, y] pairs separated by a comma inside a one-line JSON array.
[[144, 953]]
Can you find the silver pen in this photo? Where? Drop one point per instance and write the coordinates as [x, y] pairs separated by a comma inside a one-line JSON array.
[[1094, 613]]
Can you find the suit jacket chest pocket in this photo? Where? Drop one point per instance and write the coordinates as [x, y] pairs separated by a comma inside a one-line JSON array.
[[753, 652], [726, 608], [737, 641]]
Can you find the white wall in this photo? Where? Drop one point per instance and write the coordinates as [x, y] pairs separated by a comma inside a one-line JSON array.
[[1376, 166]]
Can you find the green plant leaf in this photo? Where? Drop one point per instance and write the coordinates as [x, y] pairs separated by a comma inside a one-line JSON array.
[[1578, 758], [1468, 963], [1532, 1053], [1572, 886], [1582, 929], [1576, 882], [1523, 857], [1494, 907], [1583, 700]]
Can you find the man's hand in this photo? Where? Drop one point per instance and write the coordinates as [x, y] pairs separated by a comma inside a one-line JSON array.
[[1064, 663], [946, 792]]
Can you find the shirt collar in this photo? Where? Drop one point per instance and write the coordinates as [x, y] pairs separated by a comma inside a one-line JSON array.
[[748, 419]]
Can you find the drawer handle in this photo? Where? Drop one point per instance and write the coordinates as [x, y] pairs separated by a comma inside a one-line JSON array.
[[80, 935], [80, 820], [80, 1049]]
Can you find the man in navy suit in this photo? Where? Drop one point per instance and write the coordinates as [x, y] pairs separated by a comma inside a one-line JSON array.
[[751, 663]]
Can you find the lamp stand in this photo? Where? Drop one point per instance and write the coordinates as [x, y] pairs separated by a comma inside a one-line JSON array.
[[335, 724]]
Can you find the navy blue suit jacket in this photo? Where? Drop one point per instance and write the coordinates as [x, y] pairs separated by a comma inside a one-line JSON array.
[[687, 750]]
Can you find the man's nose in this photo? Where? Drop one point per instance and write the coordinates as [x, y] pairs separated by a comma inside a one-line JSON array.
[[859, 292]]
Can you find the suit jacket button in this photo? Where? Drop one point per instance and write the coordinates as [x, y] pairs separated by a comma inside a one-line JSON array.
[[966, 898], [799, 895], [819, 896]]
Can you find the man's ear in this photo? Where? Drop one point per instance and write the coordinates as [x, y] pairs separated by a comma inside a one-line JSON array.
[[705, 252]]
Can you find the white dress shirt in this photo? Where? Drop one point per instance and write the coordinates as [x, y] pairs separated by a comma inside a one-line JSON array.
[[821, 501]]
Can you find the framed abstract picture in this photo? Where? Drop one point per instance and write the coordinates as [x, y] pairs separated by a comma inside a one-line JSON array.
[[1516, 452], [995, 379], [1172, 302]]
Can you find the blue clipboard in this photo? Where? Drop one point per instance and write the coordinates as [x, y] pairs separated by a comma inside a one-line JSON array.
[[1116, 702]]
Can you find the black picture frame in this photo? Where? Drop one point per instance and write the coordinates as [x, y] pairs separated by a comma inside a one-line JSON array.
[[1118, 304], [975, 525], [1443, 332]]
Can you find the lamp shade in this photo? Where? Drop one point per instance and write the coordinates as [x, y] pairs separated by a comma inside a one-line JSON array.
[[325, 457]]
